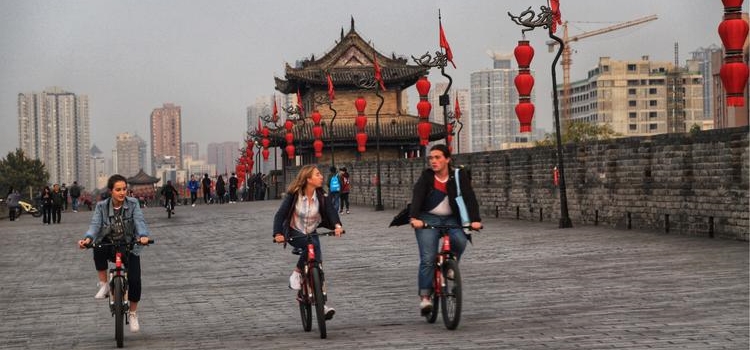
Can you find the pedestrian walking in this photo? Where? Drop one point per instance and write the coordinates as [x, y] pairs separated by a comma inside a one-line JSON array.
[[46, 205], [334, 187], [233, 183], [12, 202], [206, 185], [221, 189], [193, 186], [75, 193], [345, 188], [57, 204], [64, 191]]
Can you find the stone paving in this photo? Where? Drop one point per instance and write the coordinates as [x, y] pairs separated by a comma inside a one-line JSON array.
[[214, 280]]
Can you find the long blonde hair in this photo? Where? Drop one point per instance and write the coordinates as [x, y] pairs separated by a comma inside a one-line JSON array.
[[299, 183]]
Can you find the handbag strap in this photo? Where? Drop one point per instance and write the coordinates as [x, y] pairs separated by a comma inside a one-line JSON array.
[[458, 184]]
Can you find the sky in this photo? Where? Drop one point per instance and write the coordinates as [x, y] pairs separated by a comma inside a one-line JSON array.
[[214, 58]]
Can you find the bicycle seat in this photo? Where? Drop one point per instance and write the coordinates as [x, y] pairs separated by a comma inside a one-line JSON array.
[[298, 251]]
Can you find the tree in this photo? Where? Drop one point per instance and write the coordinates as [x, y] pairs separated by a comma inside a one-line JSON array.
[[21, 173], [579, 132]]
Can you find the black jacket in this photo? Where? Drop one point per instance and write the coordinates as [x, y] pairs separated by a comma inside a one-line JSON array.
[[283, 218], [426, 184]]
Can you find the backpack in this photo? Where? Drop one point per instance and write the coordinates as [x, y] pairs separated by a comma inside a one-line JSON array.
[[335, 184]]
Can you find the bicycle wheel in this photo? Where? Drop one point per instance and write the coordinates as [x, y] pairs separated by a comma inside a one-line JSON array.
[[305, 310], [319, 301], [451, 299], [119, 313]]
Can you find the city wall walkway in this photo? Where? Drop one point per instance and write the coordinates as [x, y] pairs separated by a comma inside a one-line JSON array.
[[214, 280]]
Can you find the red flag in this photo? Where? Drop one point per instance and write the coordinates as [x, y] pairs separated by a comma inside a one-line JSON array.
[[275, 110], [259, 126], [556, 15], [299, 103], [331, 93], [444, 44], [457, 112], [378, 74]]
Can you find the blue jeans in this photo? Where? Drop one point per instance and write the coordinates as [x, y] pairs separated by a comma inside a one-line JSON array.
[[335, 198], [427, 241], [74, 203]]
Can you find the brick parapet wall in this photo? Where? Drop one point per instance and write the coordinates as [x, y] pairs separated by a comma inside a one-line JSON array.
[[693, 184]]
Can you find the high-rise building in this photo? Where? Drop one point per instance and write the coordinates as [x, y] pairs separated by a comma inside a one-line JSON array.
[[99, 173], [166, 137], [493, 122], [131, 154], [53, 126], [223, 155], [637, 98], [190, 150]]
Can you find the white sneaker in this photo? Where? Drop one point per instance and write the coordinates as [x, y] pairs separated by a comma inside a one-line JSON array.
[[133, 321], [295, 281], [328, 311], [103, 290], [193, 204], [425, 306]]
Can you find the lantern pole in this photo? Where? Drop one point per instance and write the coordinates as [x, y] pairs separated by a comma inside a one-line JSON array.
[[370, 83], [546, 20], [326, 100]]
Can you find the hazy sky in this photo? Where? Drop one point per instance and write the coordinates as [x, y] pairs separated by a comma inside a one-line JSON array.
[[213, 58]]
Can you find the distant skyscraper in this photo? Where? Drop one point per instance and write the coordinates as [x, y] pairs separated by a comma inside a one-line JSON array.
[[223, 155], [53, 126], [166, 137], [131, 154], [190, 150], [99, 171], [263, 106], [494, 124]]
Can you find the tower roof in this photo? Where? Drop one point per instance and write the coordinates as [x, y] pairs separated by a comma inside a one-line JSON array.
[[142, 179], [350, 59]]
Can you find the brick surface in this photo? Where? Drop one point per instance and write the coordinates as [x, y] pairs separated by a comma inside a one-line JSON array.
[[214, 280]]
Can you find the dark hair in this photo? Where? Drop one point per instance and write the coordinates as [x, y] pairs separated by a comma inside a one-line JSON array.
[[332, 169], [442, 148], [114, 179]]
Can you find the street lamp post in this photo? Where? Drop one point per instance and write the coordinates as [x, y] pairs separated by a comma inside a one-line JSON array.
[[325, 99], [548, 19], [367, 83]]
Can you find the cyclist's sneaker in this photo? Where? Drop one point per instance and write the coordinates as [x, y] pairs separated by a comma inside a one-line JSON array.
[[133, 321], [329, 311], [425, 306], [103, 290], [295, 281]]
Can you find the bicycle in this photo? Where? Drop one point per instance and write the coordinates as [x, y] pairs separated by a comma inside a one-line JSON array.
[[169, 204], [312, 292], [24, 206], [446, 286], [118, 283]]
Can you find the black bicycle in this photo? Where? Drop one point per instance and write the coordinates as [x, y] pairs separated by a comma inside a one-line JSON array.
[[312, 291], [118, 282], [169, 204], [447, 290]]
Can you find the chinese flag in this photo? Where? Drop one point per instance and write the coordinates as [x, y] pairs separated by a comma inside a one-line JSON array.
[[378, 74], [331, 93], [299, 103], [444, 44], [457, 111]]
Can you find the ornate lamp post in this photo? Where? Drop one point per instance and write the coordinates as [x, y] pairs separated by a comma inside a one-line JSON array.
[[734, 73], [327, 99], [548, 19], [367, 83]]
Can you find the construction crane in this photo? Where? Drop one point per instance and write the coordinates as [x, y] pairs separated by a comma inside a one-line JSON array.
[[567, 60]]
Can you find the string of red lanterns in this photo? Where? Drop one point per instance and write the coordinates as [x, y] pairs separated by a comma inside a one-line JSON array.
[[317, 133], [288, 125], [524, 82], [360, 122], [424, 128], [733, 31]]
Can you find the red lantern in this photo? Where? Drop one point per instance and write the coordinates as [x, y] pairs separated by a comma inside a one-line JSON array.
[[265, 131], [360, 104], [732, 5], [734, 75], [290, 151], [423, 86], [360, 122], [525, 112], [265, 143], [423, 108], [524, 53], [249, 152], [265, 153], [318, 147], [289, 137], [317, 131], [424, 128], [524, 83], [733, 32], [361, 142], [316, 117], [288, 125]]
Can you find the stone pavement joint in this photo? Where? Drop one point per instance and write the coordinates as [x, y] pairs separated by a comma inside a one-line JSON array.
[[214, 280]]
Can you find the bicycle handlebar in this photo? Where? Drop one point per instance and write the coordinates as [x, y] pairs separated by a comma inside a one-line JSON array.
[[327, 233], [446, 227], [92, 245]]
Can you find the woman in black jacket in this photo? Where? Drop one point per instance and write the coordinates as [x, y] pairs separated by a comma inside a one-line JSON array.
[[434, 203], [305, 208]]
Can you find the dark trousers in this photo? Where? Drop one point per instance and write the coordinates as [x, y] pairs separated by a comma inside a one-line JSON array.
[[56, 213], [233, 194], [206, 196], [344, 201], [12, 212], [193, 197], [133, 264], [47, 213]]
